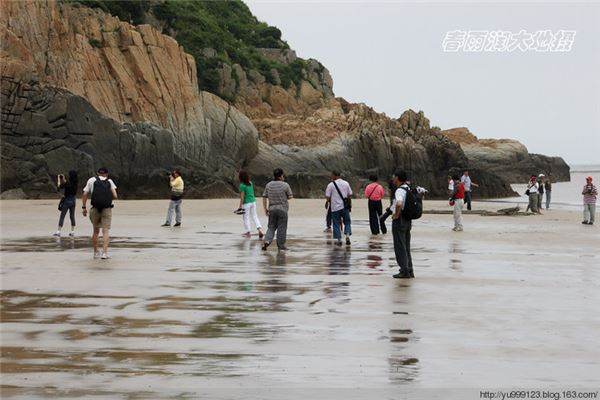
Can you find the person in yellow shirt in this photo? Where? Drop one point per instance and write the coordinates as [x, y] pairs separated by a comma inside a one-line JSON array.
[[176, 183]]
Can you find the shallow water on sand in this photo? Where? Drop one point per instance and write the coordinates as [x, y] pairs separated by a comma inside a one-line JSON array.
[[182, 313]]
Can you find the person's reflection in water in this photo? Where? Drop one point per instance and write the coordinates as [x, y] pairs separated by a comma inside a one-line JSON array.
[[454, 250], [339, 264]]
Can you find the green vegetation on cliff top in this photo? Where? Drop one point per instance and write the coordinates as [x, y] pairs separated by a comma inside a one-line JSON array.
[[228, 27]]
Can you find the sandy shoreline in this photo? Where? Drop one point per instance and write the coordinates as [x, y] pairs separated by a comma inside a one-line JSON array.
[[510, 302]]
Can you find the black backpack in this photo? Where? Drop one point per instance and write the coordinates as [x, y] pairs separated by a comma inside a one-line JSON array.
[[413, 206], [102, 195]]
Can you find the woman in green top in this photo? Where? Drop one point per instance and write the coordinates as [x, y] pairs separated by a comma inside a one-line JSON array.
[[248, 204]]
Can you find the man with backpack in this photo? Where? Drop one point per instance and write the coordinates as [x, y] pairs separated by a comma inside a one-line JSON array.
[[407, 206], [102, 191], [338, 194]]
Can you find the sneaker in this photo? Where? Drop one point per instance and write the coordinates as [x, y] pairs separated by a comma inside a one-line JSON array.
[[177, 224], [583, 222], [348, 241], [328, 229], [105, 256], [97, 255], [57, 234], [265, 245], [401, 276], [166, 224], [283, 248]]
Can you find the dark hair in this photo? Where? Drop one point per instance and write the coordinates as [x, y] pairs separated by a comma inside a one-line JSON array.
[[73, 179], [335, 172], [277, 173], [401, 175], [373, 178], [455, 177], [177, 171], [244, 177]]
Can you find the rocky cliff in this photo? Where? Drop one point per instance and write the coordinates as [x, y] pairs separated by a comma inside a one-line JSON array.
[[122, 76], [507, 158], [82, 89]]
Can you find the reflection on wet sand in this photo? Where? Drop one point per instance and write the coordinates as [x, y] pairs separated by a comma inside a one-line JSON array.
[[177, 311]]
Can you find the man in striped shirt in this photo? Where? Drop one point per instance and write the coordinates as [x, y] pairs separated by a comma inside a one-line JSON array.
[[590, 194]]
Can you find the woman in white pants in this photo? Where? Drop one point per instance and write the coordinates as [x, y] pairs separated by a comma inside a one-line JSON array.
[[248, 204]]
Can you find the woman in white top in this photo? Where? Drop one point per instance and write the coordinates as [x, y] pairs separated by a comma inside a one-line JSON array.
[[532, 192]]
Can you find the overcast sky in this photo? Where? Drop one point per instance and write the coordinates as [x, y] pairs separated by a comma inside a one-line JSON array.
[[389, 55]]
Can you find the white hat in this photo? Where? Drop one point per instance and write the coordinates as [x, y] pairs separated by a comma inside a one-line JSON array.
[[541, 176]]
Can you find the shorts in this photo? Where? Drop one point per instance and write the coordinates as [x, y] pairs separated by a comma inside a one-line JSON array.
[[101, 219]]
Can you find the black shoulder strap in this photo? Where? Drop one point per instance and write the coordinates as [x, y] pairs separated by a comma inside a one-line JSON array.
[[338, 190]]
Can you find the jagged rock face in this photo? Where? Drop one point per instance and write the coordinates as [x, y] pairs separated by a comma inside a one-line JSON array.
[[509, 159], [358, 142], [126, 74], [54, 131]]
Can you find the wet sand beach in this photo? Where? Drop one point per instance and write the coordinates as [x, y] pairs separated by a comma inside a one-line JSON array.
[[201, 312]]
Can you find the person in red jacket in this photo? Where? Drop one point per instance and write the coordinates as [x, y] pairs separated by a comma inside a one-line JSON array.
[[458, 198]]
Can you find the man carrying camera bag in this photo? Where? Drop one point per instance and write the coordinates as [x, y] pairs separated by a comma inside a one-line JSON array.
[[338, 194]]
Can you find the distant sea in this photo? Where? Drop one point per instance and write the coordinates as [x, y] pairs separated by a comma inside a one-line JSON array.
[[564, 194]]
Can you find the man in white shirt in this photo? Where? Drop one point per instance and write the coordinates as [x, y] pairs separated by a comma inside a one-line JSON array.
[[338, 190], [467, 182], [102, 191], [401, 228]]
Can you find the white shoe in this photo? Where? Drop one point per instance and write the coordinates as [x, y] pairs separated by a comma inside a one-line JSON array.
[[97, 255], [105, 256], [57, 234]]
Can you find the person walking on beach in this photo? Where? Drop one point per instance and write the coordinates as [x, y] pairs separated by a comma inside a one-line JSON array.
[[68, 201], [401, 227], [338, 194], [276, 198], [102, 191], [176, 184], [458, 201], [548, 190], [248, 204], [590, 195], [540, 181], [467, 182], [374, 192], [532, 192]]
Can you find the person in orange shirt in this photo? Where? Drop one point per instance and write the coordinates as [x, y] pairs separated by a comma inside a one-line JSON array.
[[374, 192]]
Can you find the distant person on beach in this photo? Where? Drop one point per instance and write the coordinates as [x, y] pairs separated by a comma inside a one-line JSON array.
[[540, 180], [450, 185], [338, 194], [374, 192], [467, 182], [548, 190], [102, 191], [590, 195], [68, 201], [401, 227], [388, 211], [176, 184], [457, 200], [532, 192], [276, 198], [248, 205]]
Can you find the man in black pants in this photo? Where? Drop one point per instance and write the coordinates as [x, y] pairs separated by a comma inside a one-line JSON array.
[[401, 228]]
